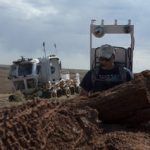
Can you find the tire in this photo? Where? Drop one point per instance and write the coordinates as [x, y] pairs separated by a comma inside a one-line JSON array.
[[72, 90], [67, 92]]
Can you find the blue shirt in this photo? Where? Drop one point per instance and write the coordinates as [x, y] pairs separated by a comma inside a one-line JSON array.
[[100, 79]]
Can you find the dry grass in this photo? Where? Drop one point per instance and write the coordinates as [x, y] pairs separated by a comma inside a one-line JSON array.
[[5, 103], [5, 83]]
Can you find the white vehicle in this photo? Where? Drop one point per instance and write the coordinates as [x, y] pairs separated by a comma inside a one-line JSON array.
[[40, 76], [123, 55]]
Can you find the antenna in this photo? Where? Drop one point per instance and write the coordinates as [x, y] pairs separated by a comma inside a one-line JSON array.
[[44, 49], [55, 48]]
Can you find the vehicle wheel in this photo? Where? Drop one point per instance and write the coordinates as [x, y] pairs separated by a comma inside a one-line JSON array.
[[54, 95], [72, 90], [59, 93], [67, 92]]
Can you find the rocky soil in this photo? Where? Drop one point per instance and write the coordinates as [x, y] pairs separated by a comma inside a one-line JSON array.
[[110, 120]]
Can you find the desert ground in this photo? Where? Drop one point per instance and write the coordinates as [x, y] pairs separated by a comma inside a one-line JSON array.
[[78, 122], [5, 84]]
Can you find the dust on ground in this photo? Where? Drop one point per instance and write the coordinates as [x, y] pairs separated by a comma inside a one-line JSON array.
[[45, 124]]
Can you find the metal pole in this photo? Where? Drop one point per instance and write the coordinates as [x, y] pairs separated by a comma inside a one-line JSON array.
[[44, 49], [91, 26]]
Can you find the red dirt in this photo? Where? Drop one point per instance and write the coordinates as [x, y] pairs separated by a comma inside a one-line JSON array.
[[43, 124]]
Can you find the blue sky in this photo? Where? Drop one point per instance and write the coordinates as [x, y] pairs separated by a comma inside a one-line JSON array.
[[25, 24]]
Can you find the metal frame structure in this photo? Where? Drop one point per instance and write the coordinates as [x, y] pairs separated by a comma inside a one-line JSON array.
[[99, 30]]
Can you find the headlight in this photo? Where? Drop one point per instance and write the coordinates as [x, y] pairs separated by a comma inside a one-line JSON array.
[[98, 31]]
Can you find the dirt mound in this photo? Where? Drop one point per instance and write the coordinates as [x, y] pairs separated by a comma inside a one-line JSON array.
[[45, 125], [79, 123], [126, 103]]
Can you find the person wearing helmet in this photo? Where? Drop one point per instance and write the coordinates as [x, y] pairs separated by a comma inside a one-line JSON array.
[[107, 75]]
